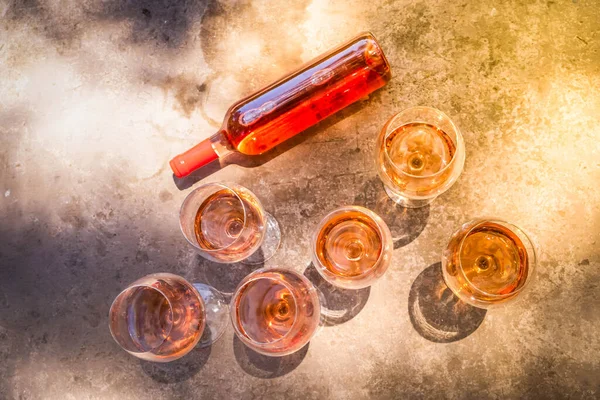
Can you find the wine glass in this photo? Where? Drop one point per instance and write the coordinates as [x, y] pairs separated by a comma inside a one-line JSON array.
[[420, 154], [488, 262], [352, 247], [162, 317], [275, 311], [227, 223]]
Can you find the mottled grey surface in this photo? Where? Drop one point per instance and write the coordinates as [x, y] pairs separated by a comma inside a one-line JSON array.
[[97, 95]]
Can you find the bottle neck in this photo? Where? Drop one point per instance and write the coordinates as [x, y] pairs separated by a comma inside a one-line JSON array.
[[220, 144]]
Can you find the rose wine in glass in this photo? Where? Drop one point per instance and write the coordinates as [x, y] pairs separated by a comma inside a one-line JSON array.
[[488, 262], [227, 223], [297, 101], [352, 247], [420, 154], [275, 311], [162, 317]]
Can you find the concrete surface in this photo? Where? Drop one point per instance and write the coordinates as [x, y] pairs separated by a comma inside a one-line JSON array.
[[97, 95]]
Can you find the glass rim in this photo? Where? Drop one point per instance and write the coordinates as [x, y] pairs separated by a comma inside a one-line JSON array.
[[369, 214], [135, 285], [459, 142], [531, 264], [229, 186], [253, 278]]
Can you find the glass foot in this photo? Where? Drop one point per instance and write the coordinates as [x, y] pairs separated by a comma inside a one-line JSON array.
[[270, 244], [217, 314], [406, 202]]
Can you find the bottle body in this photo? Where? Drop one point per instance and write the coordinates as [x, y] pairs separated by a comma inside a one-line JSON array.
[[299, 100]]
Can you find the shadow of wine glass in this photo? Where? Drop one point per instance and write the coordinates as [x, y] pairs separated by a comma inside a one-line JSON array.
[[436, 313], [179, 370], [261, 366], [338, 305], [406, 224], [223, 277]]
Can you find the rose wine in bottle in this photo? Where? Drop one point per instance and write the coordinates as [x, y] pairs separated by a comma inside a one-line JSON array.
[[294, 103]]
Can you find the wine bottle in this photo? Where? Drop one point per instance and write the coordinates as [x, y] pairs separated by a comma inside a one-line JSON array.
[[292, 104]]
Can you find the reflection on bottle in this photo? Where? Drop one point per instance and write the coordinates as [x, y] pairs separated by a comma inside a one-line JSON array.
[[251, 116], [321, 77], [318, 78]]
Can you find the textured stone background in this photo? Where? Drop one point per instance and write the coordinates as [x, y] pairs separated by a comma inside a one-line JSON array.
[[97, 95]]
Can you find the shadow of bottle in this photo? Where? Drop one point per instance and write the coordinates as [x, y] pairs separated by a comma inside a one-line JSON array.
[[261, 366], [179, 370], [338, 305], [436, 313], [406, 224], [258, 160]]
